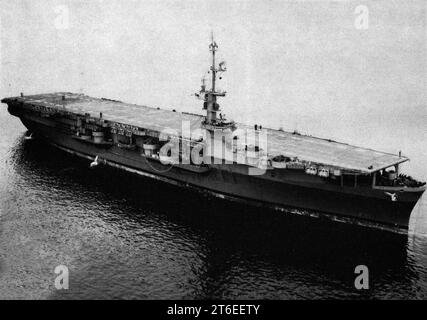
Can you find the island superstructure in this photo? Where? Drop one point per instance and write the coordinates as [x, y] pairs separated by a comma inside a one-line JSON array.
[[286, 171]]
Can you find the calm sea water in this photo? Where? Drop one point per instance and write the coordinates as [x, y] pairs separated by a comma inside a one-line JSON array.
[[130, 238]]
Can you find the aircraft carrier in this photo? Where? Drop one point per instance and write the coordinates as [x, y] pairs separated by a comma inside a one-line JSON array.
[[286, 171]]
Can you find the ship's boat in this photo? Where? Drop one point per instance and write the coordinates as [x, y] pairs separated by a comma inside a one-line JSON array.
[[323, 172], [311, 170], [262, 166], [279, 162]]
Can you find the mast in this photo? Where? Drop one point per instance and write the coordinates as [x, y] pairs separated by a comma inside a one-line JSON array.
[[213, 47], [212, 106], [210, 96]]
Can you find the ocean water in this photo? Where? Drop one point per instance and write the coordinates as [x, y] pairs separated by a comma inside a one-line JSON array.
[[303, 65], [126, 237]]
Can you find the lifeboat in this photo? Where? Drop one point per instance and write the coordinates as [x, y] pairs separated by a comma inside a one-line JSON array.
[[279, 162], [96, 138], [312, 170], [323, 172]]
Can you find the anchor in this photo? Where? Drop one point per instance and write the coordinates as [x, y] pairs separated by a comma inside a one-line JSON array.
[[95, 163], [30, 137], [392, 195]]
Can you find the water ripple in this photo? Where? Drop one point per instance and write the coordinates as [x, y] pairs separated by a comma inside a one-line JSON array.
[[125, 237]]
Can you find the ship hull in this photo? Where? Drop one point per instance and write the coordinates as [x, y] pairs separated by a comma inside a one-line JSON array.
[[358, 206]]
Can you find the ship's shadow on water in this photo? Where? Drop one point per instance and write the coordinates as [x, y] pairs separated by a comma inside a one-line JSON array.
[[245, 252]]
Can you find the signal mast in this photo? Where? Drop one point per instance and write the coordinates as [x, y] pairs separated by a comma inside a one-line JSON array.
[[209, 97]]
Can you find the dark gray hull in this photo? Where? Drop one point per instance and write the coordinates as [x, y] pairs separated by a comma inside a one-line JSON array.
[[290, 189]]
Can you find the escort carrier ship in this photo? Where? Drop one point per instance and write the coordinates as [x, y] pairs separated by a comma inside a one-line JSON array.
[[282, 170]]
